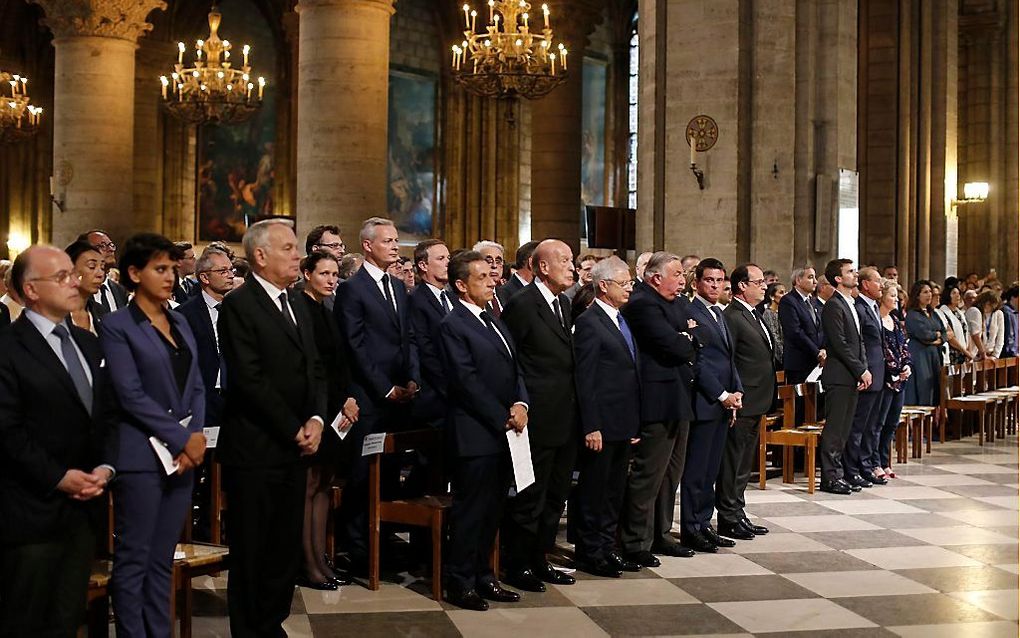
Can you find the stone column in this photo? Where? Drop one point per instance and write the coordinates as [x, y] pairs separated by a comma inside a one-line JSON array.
[[556, 132], [153, 59], [343, 70], [93, 111]]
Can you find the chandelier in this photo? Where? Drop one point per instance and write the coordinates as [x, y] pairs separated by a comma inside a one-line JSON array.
[[508, 60], [19, 120], [212, 90]]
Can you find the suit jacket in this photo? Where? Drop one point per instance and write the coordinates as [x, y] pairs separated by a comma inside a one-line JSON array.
[[484, 381], [546, 355], [608, 386], [871, 331], [383, 354], [426, 313], [45, 430], [5, 317], [276, 380], [667, 352], [143, 378], [715, 370], [509, 289], [754, 357], [210, 362], [120, 294], [846, 359], [802, 337]]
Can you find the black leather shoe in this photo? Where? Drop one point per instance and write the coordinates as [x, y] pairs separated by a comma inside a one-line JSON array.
[[673, 549], [328, 585], [699, 544], [856, 480], [837, 487], [524, 579], [878, 480], [339, 580], [492, 591], [622, 563], [551, 575], [737, 531], [601, 567], [643, 558], [757, 530], [713, 537], [467, 600]]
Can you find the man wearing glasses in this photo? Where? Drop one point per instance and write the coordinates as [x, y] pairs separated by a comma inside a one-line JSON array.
[[111, 295], [327, 239], [494, 256]]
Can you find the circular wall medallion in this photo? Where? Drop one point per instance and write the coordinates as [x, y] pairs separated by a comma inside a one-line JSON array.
[[703, 131], [64, 173]]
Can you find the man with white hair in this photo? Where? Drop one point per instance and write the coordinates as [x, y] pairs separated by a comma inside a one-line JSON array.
[[494, 256]]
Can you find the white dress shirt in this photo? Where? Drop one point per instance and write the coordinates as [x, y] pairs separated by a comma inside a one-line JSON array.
[[45, 328], [853, 309], [214, 316], [477, 312], [754, 313], [377, 274]]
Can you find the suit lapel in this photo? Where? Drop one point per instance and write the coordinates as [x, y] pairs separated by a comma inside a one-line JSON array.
[[758, 327], [42, 352], [709, 317], [262, 298], [377, 294], [467, 316], [545, 311], [189, 340], [614, 330]]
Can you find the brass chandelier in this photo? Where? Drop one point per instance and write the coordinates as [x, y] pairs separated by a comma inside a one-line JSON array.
[[212, 90], [508, 59], [19, 119]]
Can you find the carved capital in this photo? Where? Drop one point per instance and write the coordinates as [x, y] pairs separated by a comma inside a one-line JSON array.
[[121, 19], [574, 20], [382, 5]]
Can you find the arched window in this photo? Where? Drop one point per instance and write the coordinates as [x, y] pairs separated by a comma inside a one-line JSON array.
[[632, 118]]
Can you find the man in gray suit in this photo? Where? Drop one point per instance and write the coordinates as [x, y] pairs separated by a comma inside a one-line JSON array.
[[754, 356], [845, 373]]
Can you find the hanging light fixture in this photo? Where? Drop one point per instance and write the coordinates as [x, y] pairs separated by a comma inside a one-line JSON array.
[[212, 90], [19, 119]]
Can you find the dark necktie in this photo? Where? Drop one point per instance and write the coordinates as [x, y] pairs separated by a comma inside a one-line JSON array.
[[558, 312], [103, 300], [487, 318], [811, 309], [219, 352], [722, 323], [387, 292], [627, 336], [74, 367], [446, 302], [285, 309], [761, 324], [494, 306]]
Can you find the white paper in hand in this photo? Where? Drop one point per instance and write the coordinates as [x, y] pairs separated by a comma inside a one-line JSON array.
[[163, 454], [815, 375], [520, 455], [335, 425], [211, 436]]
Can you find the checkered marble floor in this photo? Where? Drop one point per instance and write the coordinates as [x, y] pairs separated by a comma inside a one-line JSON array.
[[932, 554]]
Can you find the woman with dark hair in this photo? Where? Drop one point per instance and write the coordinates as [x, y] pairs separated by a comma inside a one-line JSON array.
[[876, 442], [88, 263], [989, 303], [320, 271], [956, 324], [584, 297], [773, 294], [152, 358], [926, 334]]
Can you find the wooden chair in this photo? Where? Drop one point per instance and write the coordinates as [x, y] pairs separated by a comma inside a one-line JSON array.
[[98, 600], [961, 399], [789, 434], [200, 559]]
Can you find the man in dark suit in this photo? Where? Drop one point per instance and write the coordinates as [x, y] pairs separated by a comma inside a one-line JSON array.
[[845, 374], [523, 273], [803, 339], [216, 278], [56, 434], [112, 296], [494, 255], [754, 356], [657, 316], [187, 286], [608, 392], [717, 398], [372, 312], [276, 400], [487, 399], [5, 317], [855, 471], [428, 303], [538, 317]]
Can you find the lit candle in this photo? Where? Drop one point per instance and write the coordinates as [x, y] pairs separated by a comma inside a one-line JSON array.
[[545, 12], [245, 51], [165, 83], [180, 53], [496, 20], [525, 16], [467, 19], [563, 56], [24, 86], [250, 85], [262, 85], [694, 151], [14, 89], [552, 62], [53, 186], [492, 4], [474, 17]]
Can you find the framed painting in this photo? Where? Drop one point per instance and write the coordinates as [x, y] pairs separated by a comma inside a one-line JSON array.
[[594, 80], [411, 167]]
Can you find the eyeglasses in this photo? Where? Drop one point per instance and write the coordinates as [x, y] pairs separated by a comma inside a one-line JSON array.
[[106, 245], [337, 245], [223, 272], [626, 285], [756, 282], [61, 278], [494, 260]]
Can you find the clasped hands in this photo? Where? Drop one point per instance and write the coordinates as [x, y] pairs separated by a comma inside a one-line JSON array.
[[309, 437], [403, 394], [735, 401], [193, 454], [84, 486], [865, 382], [350, 412]]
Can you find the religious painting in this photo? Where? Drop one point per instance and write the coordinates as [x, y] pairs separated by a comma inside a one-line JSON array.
[[411, 170], [594, 76], [236, 173]]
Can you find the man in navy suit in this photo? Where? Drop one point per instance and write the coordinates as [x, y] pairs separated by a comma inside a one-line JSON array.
[[802, 327], [372, 312], [869, 286], [657, 316], [428, 303], [523, 274], [487, 398], [608, 393], [718, 397]]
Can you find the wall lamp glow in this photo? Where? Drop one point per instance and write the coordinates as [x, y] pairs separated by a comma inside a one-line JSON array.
[[18, 243], [973, 193]]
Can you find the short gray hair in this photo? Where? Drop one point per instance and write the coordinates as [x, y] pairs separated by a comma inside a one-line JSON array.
[[204, 263], [658, 262], [798, 273], [607, 269], [369, 226], [257, 235], [485, 243]]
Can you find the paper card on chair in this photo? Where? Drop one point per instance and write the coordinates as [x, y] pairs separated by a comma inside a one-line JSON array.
[[373, 444]]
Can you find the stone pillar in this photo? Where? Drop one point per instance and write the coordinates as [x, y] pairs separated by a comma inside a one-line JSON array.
[[343, 71], [152, 60], [93, 112], [556, 132]]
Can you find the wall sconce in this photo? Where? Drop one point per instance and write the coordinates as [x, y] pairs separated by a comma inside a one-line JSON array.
[[17, 243], [702, 133], [973, 193], [56, 200]]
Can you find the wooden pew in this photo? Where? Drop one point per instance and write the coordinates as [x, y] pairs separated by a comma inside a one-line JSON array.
[[790, 434]]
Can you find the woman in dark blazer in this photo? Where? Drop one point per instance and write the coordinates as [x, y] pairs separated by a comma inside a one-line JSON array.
[[320, 271], [151, 354]]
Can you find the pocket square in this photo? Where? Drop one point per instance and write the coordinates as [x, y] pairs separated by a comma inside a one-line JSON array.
[[102, 363]]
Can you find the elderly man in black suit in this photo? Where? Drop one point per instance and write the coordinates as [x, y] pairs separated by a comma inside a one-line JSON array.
[[608, 392], [754, 356], [523, 273], [855, 472], [718, 397], [487, 399], [56, 434], [276, 403], [538, 318], [845, 374], [802, 327], [657, 316], [428, 303]]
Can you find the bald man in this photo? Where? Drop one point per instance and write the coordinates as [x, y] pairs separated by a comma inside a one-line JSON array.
[[538, 318]]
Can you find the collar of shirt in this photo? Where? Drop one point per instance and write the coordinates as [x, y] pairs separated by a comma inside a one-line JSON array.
[[475, 310], [849, 299], [271, 290], [438, 292], [209, 301], [546, 293], [871, 303], [518, 278], [708, 304], [45, 328], [609, 310], [374, 271], [41, 323], [749, 307], [802, 295]]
